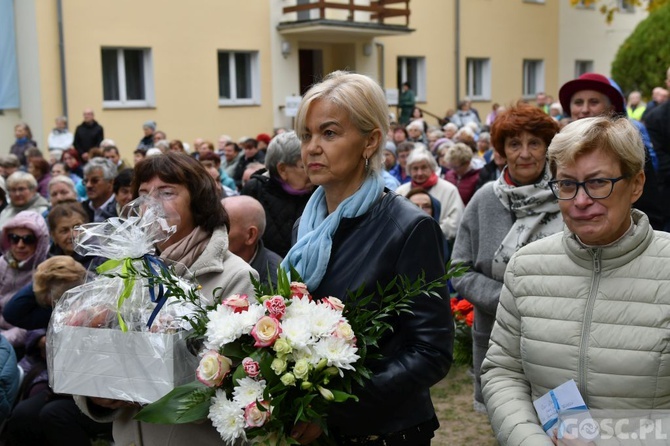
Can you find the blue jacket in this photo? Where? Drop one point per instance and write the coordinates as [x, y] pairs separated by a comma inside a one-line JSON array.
[[9, 378]]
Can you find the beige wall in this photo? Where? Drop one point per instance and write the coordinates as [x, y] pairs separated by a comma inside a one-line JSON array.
[[509, 31], [184, 42], [433, 38], [585, 35]]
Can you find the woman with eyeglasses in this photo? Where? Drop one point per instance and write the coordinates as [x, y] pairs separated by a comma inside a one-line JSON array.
[[590, 304], [189, 196], [504, 215], [25, 243], [23, 196]]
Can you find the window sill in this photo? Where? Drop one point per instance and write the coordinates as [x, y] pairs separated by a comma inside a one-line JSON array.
[[239, 104], [122, 105]]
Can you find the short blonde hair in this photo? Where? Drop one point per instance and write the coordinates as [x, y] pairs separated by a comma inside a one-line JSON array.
[[618, 138], [360, 97], [458, 154]]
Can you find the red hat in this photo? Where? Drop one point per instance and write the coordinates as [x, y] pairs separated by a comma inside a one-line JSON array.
[[591, 81], [264, 137]]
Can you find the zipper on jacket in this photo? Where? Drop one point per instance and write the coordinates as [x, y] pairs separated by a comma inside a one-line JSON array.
[[586, 325]]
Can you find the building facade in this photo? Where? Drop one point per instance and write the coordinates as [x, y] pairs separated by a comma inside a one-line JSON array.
[[212, 67]]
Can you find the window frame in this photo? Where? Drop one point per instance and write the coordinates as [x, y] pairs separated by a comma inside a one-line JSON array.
[[418, 87], [254, 79], [578, 71], [539, 79], [486, 78], [149, 100]]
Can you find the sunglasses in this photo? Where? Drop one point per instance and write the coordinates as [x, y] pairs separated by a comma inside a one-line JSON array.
[[29, 239]]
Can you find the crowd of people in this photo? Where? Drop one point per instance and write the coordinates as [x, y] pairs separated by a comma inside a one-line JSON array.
[[569, 191]]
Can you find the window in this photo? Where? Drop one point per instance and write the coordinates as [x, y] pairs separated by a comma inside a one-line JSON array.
[[583, 66], [413, 70], [533, 77], [127, 77], [478, 79], [239, 78]]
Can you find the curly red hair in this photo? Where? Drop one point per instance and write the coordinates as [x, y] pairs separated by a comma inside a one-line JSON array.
[[521, 118]]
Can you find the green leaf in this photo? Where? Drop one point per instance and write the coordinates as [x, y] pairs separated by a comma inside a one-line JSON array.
[[343, 396], [184, 404]]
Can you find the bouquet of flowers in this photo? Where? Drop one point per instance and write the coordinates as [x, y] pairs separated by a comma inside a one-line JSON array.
[[464, 316], [282, 357]]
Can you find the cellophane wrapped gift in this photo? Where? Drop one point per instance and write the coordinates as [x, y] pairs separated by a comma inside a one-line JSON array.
[[123, 335]]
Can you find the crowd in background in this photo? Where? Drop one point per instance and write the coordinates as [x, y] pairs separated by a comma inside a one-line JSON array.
[[466, 172]]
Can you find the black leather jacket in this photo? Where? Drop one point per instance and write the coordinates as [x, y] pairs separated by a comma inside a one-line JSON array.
[[394, 237]]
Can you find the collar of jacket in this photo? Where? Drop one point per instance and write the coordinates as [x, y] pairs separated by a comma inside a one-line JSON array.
[[616, 255]]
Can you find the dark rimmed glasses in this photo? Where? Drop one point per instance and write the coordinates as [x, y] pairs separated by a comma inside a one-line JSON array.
[[29, 239], [596, 188]]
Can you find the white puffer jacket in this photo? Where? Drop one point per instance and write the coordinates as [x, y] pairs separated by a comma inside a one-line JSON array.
[[598, 316]]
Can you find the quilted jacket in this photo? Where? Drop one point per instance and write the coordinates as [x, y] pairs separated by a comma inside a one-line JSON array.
[[600, 316]]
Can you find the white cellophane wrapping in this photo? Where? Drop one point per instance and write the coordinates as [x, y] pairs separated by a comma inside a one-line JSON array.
[[101, 346]]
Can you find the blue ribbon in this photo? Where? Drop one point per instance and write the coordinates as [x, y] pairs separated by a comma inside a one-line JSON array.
[[150, 261]]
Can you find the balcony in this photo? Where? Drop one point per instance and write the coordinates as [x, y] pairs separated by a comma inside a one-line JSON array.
[[339, 20]]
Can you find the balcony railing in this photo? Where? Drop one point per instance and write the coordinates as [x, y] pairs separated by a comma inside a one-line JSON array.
[[378, 10]]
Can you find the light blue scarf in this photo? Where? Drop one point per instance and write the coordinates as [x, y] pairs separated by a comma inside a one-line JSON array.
[[311, 253]]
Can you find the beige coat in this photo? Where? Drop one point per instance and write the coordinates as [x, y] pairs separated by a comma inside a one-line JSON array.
[[216, 267], [598, 316]]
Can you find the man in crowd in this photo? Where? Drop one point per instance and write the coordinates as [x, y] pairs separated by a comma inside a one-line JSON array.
[[112, 154], [99, 176], [406, 104], [247, 225], [88, 134], [251, 154]]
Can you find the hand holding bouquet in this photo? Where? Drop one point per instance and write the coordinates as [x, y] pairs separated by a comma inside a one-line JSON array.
[[280, 358]]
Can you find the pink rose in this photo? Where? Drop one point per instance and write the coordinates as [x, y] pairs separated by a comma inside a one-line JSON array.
[[251, 368], [237, 302], [255, 417], [213, 368], [333, 303], [299, 290], [266, 331], [275, 306]]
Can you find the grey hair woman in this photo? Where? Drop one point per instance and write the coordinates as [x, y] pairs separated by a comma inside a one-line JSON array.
[[423, 170], [283, 190], [355, 234], [22, 191], [586, 304]]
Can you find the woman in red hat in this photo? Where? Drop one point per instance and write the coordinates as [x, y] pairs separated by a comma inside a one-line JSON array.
[[592, 95]]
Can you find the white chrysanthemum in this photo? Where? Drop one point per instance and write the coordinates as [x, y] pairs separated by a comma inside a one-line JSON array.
[[227, 417], [323, 320], [224, 325], [247, 391], [338, 352], [296, 331], [299, 308]]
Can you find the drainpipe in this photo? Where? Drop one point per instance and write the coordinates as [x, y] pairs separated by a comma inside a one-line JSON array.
[[61, 48], [457, 51], [380, 52]]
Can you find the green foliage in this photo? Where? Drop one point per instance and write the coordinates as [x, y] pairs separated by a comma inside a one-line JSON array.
[[644, 58]]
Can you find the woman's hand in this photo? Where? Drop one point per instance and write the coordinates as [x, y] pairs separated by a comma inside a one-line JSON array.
[[305, 433], [108, 403]]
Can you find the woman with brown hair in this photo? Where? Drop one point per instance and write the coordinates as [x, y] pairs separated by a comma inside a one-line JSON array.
[[188, 194]]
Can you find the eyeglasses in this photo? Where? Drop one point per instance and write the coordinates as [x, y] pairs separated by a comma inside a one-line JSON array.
[[18, 190], [596, 188], [29, 239]]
